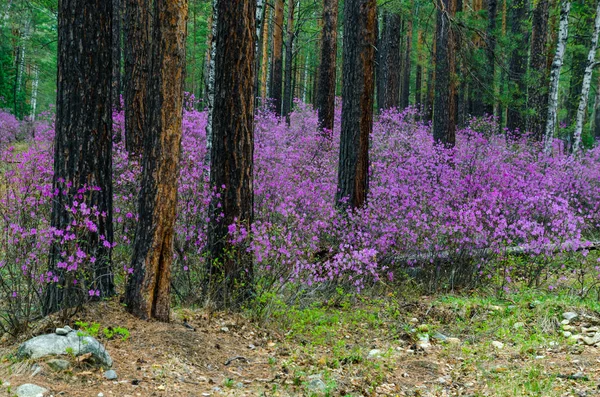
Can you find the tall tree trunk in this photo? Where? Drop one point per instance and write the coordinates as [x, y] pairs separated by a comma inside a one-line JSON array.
[[406, 69], [137, 56], [327, 69], [538, 93], [596, 130], [578, 60], [148, 288], [563, 33], [489, 78], [230, 267], [265, 55], [587, 80], [429, 105], [289, 55], [83, 146], [116, 54], [518, 67], [211, 23], [277, 63], [443, 128], [390, 61], [419, 71], [357, 102], [210, 86], [261, 13], [34, 91]]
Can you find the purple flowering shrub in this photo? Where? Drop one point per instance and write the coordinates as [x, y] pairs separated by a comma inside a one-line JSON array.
[[447, 215]]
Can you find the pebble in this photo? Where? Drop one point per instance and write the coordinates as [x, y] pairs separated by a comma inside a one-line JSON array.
[[111, 375], [498, 345], [570, 316], [61, 331], [224, 329], [567, 334], [518, 325], [373, 354]]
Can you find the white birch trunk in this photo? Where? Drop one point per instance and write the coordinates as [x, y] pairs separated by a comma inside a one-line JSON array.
[[305, 80], [563, 33], [34, 91], [211, 86], [587, 81]]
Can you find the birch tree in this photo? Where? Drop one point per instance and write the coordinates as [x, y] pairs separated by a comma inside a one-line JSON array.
[[563, 33], [587, 80]]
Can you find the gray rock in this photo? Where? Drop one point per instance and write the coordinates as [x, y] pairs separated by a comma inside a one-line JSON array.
[[316, 384], [59, 365], [423, 342], [567, 334], [453, 341], [591, 340], [57, 345], [111, 375], [35, 370], [569, 316], [31, 390], [498, 345], [440, 337], [373, 354], [69, 329], [61, 331]]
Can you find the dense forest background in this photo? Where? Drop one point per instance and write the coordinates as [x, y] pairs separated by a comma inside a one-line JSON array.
[[503, 51]]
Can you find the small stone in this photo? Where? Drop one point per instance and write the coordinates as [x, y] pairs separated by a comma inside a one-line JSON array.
[[568, 328], [69, 329], [251, 346], [519, 325], [100, 394], [374, 354], [111, 375], [59, 365], [453, 341], [316, 384], [565, 322], [495, 308], [567, 334], [423, 342], [570, 316], [413, 320], [31, 390], [540, 357], [441, 337], [224, 329], [498, 345], [36, 370], [61, 331], [591, 340], [161, 387], [444, 379]]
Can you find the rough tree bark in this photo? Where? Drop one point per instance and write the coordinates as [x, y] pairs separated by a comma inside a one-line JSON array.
[[289, 55], [489, 81], [230, 267], [137, 56], [265, 56], [210, 83], [406, 64], [587, 81], [148, 288], [261, 13], [597, 111], [538, 93], [327, 70], [443, 128], [357, 102], [390, 61], [518, 67], [116, 54], [277, 62], [419, 71], [563, 33], [83, 142], [580, 33]]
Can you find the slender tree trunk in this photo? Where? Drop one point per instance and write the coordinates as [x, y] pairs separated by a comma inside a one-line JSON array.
[[261, 13], [578, 61], [518, 67], [597, 111], [289, 57], [277, 63], [405, 99], [419, 71], [265, 56], [34, 92], [209, 56], [443, 130], [327, 70], [211, 84], [357, 102], [538, 92], [563, 33], [116, 54], [148, 288], [429, 105], [489, 78], [83, 148], [230, 267], [390, 62], [137, 56], [587, 80]]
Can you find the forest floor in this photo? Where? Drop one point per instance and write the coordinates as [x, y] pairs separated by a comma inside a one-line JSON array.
[[352, 346]]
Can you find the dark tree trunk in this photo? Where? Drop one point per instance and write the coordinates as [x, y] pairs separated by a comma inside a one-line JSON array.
[[538, 92], [443, 130], [116, 55], [491, 56], [230, 267], [327, 70], [148, 289], [390, 61], [419, 72], [289, 55], [277, 63], [137, 63], [83, 144], [357, 102], [406, 68], [518, 67]]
